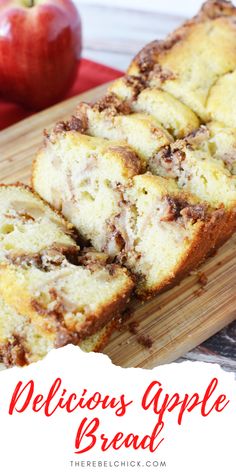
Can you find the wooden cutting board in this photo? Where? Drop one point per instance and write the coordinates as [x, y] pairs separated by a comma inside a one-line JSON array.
[[176, 321]]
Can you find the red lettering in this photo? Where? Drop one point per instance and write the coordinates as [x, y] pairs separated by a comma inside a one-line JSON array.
[[38, 399], [221, 399], [209, 391], [52, 392], [17, 395], [86, 432], [145, 404], [133, 440], [188, 403]]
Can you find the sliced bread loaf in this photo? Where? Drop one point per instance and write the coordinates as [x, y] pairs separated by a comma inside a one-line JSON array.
[[23, 342], [144, 133], [144, 221], [45, 276], [177, 118], [203, 163], [193, 58]]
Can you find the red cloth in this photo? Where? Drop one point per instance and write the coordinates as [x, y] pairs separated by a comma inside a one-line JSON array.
[[89, 74]]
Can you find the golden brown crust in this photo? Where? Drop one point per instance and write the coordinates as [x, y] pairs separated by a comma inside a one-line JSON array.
[[49, 311], [145, 61], [227, 228], [15, 350], [17, 296], [129, 158], [97, 321], [206, 241], [213, 9]]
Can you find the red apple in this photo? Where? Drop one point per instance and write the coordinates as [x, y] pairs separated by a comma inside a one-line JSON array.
[[40, 44]]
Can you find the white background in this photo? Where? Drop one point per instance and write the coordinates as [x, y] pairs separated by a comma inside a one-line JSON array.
[[115, 30], [182, 7]]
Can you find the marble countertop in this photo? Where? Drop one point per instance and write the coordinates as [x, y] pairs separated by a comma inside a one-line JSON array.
[[114, 31]]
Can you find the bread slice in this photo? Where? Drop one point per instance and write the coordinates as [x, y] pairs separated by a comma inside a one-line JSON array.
[[202, 164], [193, 58], [106, 119], [221, 102], [198, 168], [45, 276], [23, 342], [143, 221], [28, 225], [178, 119], [222, 144]]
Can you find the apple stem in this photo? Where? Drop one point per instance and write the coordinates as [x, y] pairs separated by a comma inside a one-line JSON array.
[[31, 3]]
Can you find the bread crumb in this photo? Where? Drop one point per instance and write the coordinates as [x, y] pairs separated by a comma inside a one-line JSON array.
[[145, 340], [133, 327], [202, 279]]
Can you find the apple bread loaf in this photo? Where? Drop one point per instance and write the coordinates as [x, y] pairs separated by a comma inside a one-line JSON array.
[[45, 276], [203, 162], [162, 117], [23, 342], [173, 84], [194, 58], [143, 221]]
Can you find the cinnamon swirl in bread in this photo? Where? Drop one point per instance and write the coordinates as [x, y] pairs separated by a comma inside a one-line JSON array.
[[46, 278], [143, 221]]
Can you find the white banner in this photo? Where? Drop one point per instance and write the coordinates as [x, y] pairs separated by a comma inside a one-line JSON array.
[[77, 411]]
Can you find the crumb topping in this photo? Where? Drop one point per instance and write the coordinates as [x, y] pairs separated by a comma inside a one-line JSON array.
[[112, 104], [14, 352], [76, 123], [137, 83]]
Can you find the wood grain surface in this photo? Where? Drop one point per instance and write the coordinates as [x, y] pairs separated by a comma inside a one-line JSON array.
[[175, 321]]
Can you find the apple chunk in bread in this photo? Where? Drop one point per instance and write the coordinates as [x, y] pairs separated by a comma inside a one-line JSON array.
[[45, 276], [28, 225], [23, 342], [199, 167], [143, 221], [74, 301]]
